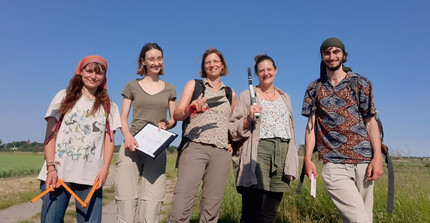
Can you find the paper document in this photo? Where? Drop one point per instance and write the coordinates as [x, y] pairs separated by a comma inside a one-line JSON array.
[[153, 142], [313, 186]]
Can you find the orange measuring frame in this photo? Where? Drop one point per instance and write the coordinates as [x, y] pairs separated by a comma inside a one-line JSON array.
[[61, 182]]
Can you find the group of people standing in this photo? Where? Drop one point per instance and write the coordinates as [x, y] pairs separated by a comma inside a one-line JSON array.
[[81, 121]]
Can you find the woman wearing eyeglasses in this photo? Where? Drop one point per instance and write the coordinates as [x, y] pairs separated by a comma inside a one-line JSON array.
[[140, 200], [205, 156]]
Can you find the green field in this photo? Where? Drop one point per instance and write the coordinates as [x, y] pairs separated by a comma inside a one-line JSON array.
[[20, 163], [412, 198], [412, 193]]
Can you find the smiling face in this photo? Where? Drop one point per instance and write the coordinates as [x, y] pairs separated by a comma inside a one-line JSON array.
[[333, 57], [213, 65], [93, 76], [153, 61], [266, 73]]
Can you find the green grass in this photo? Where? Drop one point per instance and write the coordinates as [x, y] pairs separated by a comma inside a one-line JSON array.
[[24, 163], [412, 194], [412, 198], [19, 163], [16, 164]]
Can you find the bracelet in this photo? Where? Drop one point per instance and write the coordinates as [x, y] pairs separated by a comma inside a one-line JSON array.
[[249, 119], [183, 113], [52, 163], [51, 171]]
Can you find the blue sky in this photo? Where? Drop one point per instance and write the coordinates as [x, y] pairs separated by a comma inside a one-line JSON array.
[[388, 42]]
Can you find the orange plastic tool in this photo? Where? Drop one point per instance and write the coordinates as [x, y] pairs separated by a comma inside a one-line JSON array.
[[61, 182]]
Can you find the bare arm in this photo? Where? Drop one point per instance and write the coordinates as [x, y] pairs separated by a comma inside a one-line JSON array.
[[172, 107], [107, 158], [233, 101], [180, 114], [310, 141], [51, 176], [168, 124], [375, 169], [129, 141]]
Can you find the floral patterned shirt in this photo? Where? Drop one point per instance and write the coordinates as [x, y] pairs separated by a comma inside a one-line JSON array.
[[79, 147], [275, 120]]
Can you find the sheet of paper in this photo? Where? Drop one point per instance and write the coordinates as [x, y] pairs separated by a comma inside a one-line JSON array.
[[151, 140], [313, 186]]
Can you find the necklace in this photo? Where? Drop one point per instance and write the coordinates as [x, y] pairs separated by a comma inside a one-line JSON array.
[[267, 95]]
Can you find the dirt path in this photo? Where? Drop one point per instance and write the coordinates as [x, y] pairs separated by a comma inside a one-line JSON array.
[[29, 212]]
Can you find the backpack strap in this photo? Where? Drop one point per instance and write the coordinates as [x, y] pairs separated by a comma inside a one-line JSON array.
[[107, 121], [57, 127], [390, 193], [229, 94], [199, 89], [314, 100], [353, 85]]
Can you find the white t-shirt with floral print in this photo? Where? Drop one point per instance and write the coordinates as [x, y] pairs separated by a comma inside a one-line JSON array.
[[79, 149]]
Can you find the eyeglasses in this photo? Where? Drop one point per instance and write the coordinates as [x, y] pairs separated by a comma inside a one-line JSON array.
[[153, 60], [216, 62]]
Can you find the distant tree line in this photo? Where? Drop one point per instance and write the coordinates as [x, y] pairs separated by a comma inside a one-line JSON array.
[[26, 146], [23, 146]]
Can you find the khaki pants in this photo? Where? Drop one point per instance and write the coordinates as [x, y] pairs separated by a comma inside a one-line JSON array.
[[140, 185], [200, 162], [349, 190]]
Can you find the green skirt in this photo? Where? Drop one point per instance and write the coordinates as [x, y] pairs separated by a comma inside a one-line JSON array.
[[271, 155]]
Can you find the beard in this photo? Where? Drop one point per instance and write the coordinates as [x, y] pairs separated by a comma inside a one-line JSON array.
[[335, 68]]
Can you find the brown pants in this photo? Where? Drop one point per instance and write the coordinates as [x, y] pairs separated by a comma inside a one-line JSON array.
[[200, 162]]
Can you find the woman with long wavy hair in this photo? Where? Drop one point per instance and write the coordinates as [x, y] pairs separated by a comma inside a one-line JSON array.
[[79, 144]]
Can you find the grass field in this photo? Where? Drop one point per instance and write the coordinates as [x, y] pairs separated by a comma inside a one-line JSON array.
[[412, 195], [412, 198], [19, 163]]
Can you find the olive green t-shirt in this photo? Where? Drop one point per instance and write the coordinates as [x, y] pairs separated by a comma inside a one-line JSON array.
[[147, 107]]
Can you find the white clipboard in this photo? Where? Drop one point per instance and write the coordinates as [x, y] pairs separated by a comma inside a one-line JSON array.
[[153, 142]]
